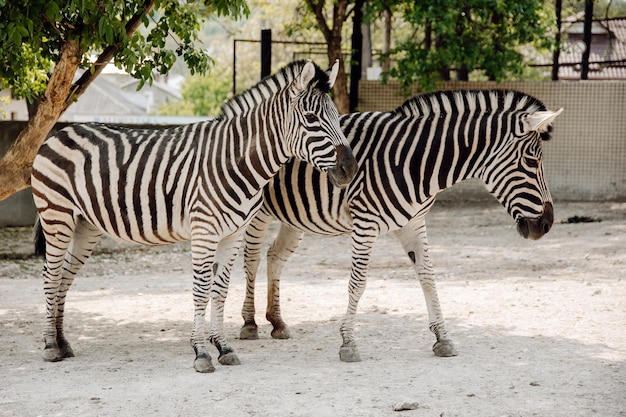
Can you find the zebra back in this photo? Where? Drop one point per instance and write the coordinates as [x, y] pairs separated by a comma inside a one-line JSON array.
[[408, 155]]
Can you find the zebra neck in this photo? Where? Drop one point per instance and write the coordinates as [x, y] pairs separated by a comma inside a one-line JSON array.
[[250, 150], [443, 158]]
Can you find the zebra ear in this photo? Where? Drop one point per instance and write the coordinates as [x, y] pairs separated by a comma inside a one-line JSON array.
[[541, 120], [307, 74], [332, 74]]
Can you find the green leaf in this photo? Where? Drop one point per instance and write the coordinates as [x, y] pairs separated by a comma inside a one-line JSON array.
[[102, 26], [52, 11], [32, 34]]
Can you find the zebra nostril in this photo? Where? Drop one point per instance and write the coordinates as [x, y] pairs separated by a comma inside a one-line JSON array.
[[547, 219], [523, 227], [349, 167], [346, 164]]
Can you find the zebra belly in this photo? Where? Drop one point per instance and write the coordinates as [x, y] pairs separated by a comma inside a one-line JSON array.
[[147, 229], [150, 226], [323, 222], [342, 213], [147, 217]]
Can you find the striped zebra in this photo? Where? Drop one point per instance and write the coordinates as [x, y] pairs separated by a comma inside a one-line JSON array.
[[405, 158], [201, 182]]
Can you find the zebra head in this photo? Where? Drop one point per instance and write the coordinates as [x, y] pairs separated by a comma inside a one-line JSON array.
[[514, 174], [314, 134]]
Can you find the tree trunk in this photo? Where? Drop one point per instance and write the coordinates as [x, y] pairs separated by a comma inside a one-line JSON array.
[[462, 74], [340, 90], [443, 70], [366, 49], [332, 34], [340, 96], [356, 59], [15, 166], [31, 106], [386, 39]]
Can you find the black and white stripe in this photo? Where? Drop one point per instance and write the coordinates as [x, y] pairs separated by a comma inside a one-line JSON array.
[[406, 157], [200, 182]]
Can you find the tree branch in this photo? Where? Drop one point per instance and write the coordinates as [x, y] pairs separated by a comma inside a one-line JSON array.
[[16, 165], [106, 56], [318, 10]]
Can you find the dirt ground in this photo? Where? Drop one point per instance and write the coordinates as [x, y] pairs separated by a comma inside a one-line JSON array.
[[540, 328]]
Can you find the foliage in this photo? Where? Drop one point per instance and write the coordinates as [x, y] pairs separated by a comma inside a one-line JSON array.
[[601, 8], [302, 25], [202, 95], [4, 100], [32, 32], [458, 37]]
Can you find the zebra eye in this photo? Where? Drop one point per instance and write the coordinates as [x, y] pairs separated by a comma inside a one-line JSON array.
[[310, 117], [532, 162]]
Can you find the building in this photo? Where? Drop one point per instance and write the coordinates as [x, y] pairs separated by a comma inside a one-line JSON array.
[[113, 98], [607, 59]]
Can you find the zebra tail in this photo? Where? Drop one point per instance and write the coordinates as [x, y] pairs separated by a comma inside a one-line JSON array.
[[39, 239]]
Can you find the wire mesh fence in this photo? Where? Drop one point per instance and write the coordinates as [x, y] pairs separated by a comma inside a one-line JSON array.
[[586, 158]]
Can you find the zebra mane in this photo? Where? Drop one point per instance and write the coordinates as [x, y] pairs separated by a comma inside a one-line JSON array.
[[436, 103], [269, 86]]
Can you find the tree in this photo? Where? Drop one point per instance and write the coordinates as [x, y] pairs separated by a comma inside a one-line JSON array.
[[202, 96], [43, 43], [383, 10], [467, 35], [332, 30]]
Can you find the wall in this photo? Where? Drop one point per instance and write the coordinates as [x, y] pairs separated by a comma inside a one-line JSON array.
[[586, 158]]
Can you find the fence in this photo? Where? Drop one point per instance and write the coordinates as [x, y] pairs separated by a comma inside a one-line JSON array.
[[586, 158]]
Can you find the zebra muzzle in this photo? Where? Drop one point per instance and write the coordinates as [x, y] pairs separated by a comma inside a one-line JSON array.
[[535, 228], [345, 169]]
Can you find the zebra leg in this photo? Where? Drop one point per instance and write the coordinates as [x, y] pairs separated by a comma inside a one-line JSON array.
[[284, 246], [361, 254], [224, 259], [202, 253], [85, 238], [253, 243], [415, 243], [58, 237]]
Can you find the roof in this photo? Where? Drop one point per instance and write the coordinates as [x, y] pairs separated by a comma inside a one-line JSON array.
[[110, 97], [607, 59], [103, 97]]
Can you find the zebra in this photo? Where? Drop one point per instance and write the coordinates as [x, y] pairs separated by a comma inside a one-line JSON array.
[[201, 182], [405, 156]]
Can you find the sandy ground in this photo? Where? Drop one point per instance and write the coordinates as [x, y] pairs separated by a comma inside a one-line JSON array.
[[539, 326]]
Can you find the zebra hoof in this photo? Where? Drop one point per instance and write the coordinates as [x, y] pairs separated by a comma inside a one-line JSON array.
[[229, 359], [203, 365], [444, 349], [52, 354], [281, 333], [249, 332], [349, 354]]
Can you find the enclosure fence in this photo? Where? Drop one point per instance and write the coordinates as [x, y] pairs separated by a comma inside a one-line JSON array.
[[586, 158], [584, 161]]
